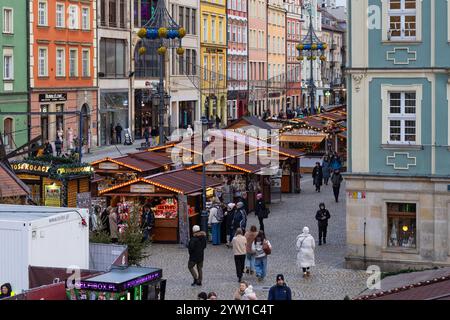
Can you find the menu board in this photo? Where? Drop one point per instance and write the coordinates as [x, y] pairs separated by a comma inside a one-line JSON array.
[[52, 196], [168, 209]]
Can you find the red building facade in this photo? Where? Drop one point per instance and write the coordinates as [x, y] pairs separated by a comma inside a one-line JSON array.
[[237, 58], [63, 70]]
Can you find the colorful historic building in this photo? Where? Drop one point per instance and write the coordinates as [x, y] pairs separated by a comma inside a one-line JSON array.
[[63, 69], [293, 66], [13, 66], [237, 64], [213, 58], [257, 56], [398, 185]]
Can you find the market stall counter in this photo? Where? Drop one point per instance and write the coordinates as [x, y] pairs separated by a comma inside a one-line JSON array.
[[175, 197], [122, 283]]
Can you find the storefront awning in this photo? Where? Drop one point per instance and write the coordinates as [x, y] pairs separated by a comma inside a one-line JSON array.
[[302, 138]]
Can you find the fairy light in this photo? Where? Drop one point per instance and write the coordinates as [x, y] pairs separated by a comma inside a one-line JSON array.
[[117, 162]]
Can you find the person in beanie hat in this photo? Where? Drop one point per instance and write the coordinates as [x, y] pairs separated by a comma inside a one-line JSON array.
[[196, 246], [280, 291], [229, 217], [322, 217]]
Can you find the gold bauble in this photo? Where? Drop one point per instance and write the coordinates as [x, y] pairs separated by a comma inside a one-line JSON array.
[[323, 58], [162, 50], [300, 46], [324, 46], [182, 32], [314, 46], [142, 50], [162, 32], [314, 57], [142, 33], [300, 58], [180, 51]]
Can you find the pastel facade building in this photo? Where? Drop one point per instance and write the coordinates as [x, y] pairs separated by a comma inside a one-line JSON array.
[[237, 63], [63, 68], [398, 185]]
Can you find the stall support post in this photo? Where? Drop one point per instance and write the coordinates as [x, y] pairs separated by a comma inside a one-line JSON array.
[[204, 216]]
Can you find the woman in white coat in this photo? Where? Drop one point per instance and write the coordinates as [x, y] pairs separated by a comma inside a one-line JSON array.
[[305, 246]]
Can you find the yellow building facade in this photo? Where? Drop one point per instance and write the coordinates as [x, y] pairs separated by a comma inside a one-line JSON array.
[[276, 60], [213, 58]]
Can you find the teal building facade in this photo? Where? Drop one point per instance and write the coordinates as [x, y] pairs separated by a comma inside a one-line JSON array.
[[398, 180]]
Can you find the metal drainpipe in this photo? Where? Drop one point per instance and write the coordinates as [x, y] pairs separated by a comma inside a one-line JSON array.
[[365, 244]]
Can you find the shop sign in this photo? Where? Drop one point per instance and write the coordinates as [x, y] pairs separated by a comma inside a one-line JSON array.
[[108, 166], [30, 168], [303, 132], [52, 195], [75, 170], [216, 167], [52, 97], [142, 188], [357, 195]]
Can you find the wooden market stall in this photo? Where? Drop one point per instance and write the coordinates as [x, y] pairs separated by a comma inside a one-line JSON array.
[[112, 171], [55, 181], [12, 189], [174, 196]]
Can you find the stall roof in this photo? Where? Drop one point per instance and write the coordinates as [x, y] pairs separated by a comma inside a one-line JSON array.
[[301, 138], [250, 121], [140, 161], [235, 162], [180, 181], [10, 184], [121, 275], [186, 181]]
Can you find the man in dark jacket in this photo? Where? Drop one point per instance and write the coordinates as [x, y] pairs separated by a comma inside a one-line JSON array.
[[147, 223], [197, 246], [229, 217], [118, 129], [317, 176], [240, 217], [336, 180], [280, 291], [322, 217], [260, 210]]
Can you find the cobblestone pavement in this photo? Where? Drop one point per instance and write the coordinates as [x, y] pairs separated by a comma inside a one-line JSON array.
[[111, 151], [329, 279]]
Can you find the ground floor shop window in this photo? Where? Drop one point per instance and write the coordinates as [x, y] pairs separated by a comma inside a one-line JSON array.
[[187, 113], [402, 218]]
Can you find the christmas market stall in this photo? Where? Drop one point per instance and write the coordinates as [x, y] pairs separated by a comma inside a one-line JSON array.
[[55, 181], [175, 198], [112, 171], [121, 283]]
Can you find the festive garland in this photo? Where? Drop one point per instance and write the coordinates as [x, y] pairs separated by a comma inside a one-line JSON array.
[[60, 171]]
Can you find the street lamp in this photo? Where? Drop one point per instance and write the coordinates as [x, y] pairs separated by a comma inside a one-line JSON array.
[[204, 218], [313, 47], [162, 28]]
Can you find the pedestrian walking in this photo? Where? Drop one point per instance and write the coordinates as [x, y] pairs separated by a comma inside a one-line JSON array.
[[326, 169], [261, 210], [48, 149], [280, 291], [305, 257], [336, 163], [336, 180], [155, 135], [218, 121], [58, 146], [118, 129], [317, 176], [262, 247], [244, 292], [197, 246], [214, 223], [239, 249], [240, 217], [229, 218], [322, 217], [113, 225], [104, 218], [147, 136], [147, 223], [250, 255]]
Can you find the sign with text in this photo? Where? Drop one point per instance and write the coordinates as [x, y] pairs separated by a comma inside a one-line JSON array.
[[30, 167], [52, 196], [216, 167], [108, 166], [52, 97], [142, 188]]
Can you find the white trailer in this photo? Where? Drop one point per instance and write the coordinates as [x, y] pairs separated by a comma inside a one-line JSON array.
[[41, 236]]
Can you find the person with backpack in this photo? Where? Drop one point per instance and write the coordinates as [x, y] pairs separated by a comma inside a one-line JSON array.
[[261, 211], [240, 217], [262, 248], [214, 221], [336, 180]]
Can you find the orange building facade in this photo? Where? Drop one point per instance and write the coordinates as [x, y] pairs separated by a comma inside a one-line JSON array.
[[63, 70]]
